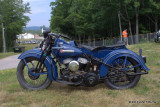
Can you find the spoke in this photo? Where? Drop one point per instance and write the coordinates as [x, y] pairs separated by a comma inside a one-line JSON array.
[[37, 81], [122, 79], [27, 77], [32, 64], [132, 67], [124, 65], [116, 62]]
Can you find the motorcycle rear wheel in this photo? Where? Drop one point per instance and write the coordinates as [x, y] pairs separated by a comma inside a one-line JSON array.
[[130, 81], [27, 80]]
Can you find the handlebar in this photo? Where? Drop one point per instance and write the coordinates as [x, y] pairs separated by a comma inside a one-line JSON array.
[[65, 37], [58, 35]]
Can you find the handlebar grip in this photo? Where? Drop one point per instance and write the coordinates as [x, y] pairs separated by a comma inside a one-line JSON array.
[[65, 37], [53, 34]]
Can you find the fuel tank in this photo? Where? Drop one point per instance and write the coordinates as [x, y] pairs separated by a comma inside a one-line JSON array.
[[69, 49]]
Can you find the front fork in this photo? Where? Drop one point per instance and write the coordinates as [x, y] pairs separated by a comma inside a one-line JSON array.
[[38, 66]]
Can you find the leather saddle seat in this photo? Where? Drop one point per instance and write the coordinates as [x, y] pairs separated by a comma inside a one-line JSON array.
[[96, 48]]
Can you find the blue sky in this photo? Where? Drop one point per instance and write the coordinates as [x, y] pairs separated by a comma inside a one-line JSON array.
[[40, 12]]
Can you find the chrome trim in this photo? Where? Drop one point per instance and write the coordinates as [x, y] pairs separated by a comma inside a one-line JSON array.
[[68, 51]]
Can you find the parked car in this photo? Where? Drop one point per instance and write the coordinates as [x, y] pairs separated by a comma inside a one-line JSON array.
[[33, 41], [27, 42]]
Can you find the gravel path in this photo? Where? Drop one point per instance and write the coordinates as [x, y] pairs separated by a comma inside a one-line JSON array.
[[9, 62]]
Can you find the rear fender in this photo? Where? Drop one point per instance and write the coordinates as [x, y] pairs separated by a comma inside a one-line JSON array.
[[120, 53], [48, 62]]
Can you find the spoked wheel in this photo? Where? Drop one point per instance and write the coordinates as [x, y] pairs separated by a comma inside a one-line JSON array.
[[120, 79], [28, 80], [156, 40]]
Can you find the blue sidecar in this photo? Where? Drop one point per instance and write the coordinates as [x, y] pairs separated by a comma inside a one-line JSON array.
[[68, 63]]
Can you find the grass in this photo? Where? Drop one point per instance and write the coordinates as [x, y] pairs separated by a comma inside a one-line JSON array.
[[59, 95], [27, 47], [3, 55]]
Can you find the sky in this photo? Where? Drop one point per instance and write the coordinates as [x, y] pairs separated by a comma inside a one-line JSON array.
[[40, 12]]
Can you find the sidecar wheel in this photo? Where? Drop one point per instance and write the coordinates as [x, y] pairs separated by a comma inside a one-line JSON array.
[[155, 40], [28, 81], [129, 82]]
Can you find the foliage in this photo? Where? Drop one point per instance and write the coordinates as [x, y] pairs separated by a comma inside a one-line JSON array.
[[99, 18], [12, 15]]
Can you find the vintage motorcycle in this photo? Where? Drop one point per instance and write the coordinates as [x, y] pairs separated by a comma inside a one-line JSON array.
[[157, 37], [79, 65]]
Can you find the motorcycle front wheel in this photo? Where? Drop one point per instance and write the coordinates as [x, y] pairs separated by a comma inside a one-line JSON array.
[[119, 79], [29, 81]]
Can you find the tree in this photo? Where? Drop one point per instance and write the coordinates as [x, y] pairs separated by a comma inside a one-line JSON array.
[[152, 11], [100, 18], [12, 15]]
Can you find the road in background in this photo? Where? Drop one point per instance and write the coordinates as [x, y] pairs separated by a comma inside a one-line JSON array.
[[9, 62]]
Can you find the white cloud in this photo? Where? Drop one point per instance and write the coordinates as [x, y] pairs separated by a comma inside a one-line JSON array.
[[40, 9], [39, 6]]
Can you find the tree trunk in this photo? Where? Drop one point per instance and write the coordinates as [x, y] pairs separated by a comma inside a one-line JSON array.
[[84, 39], [137, 28], [129, 23], [120, 26], [89, 40], [130, 30], [79, 39], [156, 24]]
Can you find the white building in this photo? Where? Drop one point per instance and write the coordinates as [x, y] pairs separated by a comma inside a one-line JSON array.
[[25, 36]]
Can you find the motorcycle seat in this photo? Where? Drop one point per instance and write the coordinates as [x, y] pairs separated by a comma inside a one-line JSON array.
[[96, 48]]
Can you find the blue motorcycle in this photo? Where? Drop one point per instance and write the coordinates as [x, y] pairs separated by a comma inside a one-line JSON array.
[[79, 65]]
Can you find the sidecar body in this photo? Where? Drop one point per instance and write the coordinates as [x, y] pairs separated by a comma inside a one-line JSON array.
[[109, 53]]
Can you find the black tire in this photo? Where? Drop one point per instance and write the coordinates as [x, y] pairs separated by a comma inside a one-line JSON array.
[[22, 80], [155, 40], [129, 85]]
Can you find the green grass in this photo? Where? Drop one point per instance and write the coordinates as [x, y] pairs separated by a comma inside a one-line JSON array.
[[27, 47], [59, 95], [3, 55]]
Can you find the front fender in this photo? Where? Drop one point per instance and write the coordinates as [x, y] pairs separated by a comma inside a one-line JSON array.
[[48, 62], [119, 53]]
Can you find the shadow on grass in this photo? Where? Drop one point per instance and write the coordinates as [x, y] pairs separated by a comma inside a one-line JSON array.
[[69, 89]]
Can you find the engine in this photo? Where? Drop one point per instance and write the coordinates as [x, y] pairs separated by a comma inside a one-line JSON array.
[[76, 71], [75, 65]]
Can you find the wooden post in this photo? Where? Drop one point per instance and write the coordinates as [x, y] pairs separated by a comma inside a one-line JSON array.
[[103, 41], [4, 41]]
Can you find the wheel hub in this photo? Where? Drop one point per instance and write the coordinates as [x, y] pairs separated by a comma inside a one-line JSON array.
[[32, 77]]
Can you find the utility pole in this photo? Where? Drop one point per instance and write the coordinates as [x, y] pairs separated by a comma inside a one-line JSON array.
[[4, 41]]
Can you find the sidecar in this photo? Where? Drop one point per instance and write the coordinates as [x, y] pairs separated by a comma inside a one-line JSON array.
[[107, 54]]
